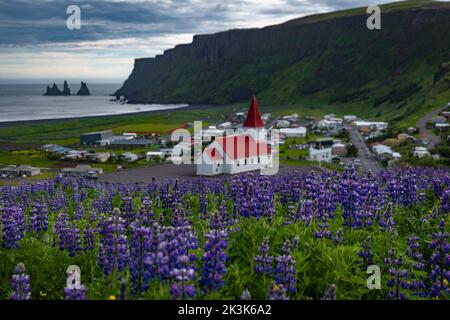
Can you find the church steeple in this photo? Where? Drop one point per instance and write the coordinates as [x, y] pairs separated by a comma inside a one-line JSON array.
[[253, 116]]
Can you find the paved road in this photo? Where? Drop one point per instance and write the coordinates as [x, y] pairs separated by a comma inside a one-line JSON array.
[[146, 174], [428, 134], [364, 154]]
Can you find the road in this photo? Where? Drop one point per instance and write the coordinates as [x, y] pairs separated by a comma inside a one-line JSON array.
[[428, 134], [147, 174], [364, 154]]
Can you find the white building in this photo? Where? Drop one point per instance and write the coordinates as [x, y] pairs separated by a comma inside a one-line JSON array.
[[350, 118], [381, 149], [299, 132], [421, 152], [154, 155], [225, 125], [283, 124], [231, 154], [330, 123], [321, 155], [211, 132], [442, 125], [370, 125], [129, 157]]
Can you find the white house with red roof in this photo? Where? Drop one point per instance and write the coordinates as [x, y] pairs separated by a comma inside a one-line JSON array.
[[244, 151]]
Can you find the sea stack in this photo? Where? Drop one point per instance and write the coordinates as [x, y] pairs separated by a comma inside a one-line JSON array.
[[53, 91], [84, 91], [66, 89]]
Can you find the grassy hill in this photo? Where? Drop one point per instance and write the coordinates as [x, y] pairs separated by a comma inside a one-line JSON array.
[[327, 61]]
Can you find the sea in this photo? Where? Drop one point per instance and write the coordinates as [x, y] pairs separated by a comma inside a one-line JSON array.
[[23, 102]]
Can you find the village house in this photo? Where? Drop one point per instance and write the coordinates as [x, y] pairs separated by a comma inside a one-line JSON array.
[[421, 152], [19, 171], [239, 152], [150, 155], [299, 132], [129, 157], [339, 149], [321, 155], [367, 127]]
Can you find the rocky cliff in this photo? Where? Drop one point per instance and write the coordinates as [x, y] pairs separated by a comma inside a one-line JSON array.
[[84, 91], [329, 58], [53, 91]]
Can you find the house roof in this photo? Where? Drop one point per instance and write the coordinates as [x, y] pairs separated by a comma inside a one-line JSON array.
[[253, 116], [238, 147]]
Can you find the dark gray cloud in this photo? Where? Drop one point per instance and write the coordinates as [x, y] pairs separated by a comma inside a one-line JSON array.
[[29, 22]]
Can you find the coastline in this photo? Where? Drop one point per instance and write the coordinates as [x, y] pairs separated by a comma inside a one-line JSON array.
[[7, 124]]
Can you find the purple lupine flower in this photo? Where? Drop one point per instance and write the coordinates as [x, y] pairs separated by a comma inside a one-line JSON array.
[[183, 287], [74, 293], [113, 248], [330, 293], [366, 253], [141, 260], [263, 261], [339, 237], [20, 284], [89, 238], [39, 217], [440, 262], [13, 225], [398, 276], [417, 282], [246, 295], [277, 292], [214, 260], [285, 269]]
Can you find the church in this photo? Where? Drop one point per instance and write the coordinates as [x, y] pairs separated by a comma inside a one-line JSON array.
[[244, 150]]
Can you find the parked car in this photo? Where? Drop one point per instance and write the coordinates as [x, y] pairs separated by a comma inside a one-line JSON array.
[[91, 175]]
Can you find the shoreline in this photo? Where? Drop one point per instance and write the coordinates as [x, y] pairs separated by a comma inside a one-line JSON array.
[[13, 123]]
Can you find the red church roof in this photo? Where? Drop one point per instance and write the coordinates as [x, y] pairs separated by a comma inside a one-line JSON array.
[[238, 147], [253, 116]]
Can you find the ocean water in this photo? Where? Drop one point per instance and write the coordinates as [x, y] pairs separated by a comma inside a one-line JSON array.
[[21, 102]]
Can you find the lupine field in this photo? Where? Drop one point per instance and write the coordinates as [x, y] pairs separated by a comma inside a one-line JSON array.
[[300, 236]]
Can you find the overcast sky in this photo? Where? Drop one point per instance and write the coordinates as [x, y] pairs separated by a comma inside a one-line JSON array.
[[36, 44]]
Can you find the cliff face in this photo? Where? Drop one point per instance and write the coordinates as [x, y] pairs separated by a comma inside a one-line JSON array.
[[325, 58]]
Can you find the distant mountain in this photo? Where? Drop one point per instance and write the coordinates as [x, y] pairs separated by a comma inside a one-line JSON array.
[[325, 59]]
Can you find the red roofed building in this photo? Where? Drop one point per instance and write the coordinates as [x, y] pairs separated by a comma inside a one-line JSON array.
[[253, 119], [237, 153]]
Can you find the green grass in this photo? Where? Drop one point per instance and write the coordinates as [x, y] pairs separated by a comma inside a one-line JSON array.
[[147, 127]]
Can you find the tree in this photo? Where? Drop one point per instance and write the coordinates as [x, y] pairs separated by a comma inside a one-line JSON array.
[[352, 151]]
